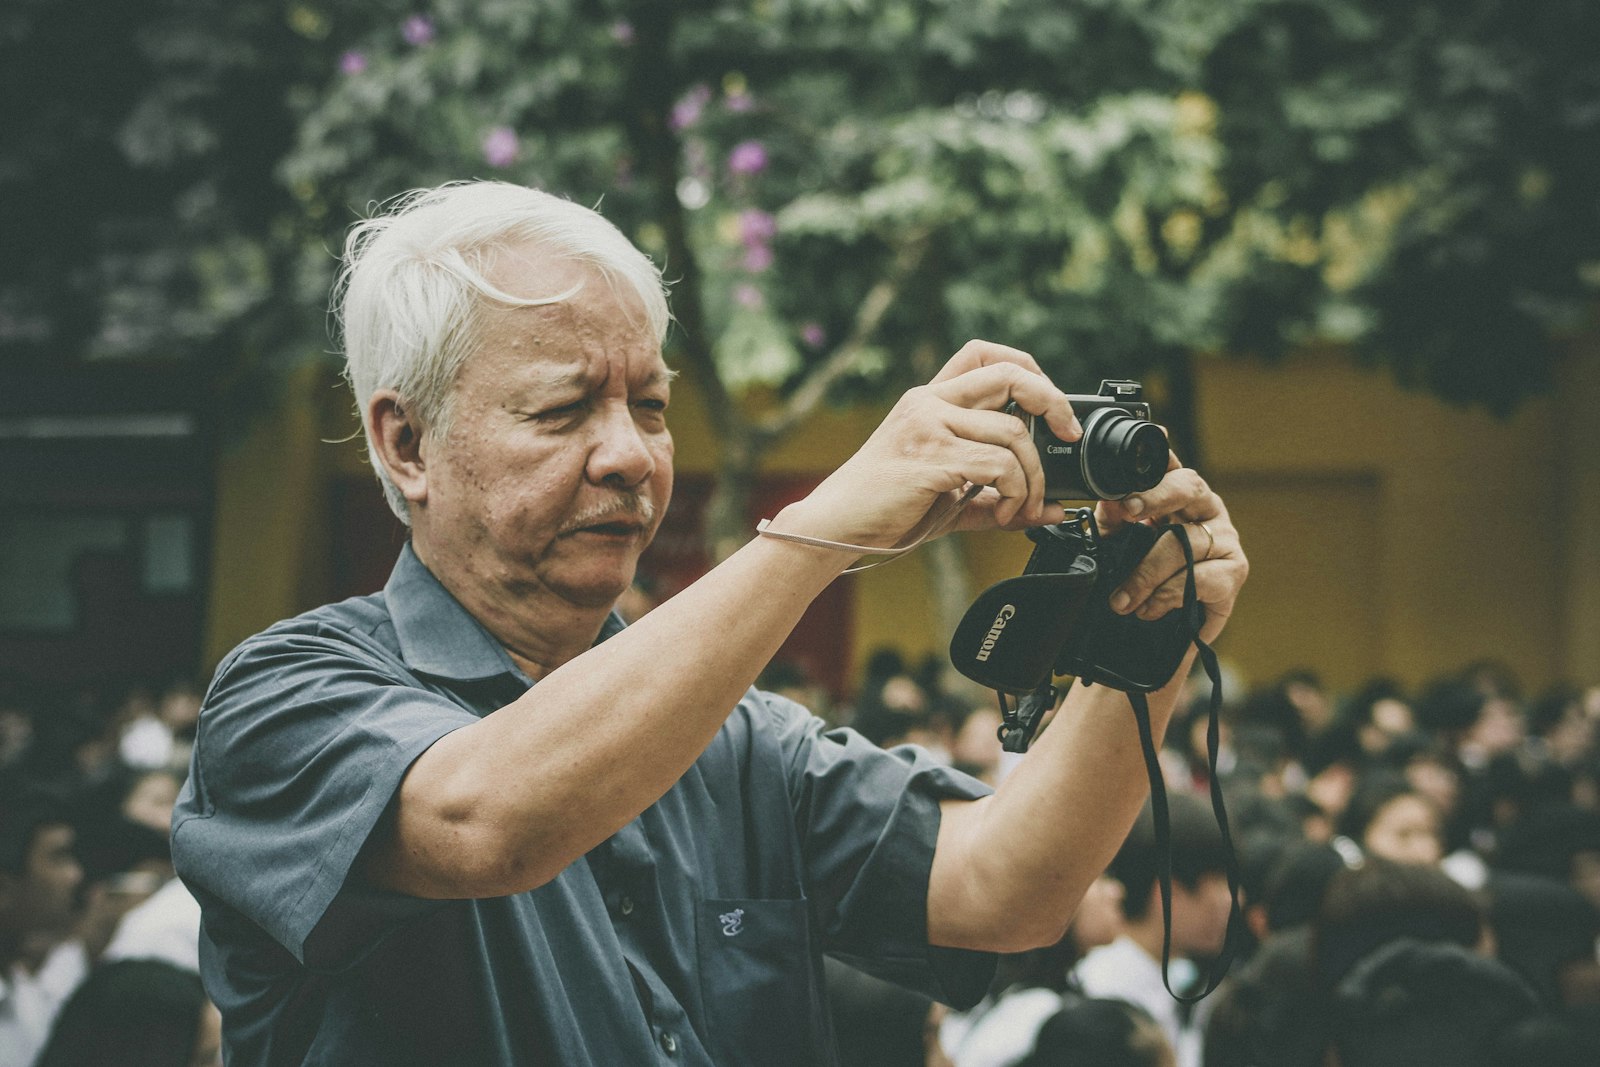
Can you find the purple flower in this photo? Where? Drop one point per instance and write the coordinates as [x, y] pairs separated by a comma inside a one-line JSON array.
[[352, 62], [748, 157], [686, 112], [622, 31], [757, 258], [756, 226], [739, 102], [500, 146], [748, 296], [813, 334], [417, 30]]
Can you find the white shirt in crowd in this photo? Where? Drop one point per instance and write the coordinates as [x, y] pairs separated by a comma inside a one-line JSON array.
[[1125, 971], [165, 927], [29, 1003], [999, 1032]]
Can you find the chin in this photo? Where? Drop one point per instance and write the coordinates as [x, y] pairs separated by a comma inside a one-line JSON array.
[[598, 592]]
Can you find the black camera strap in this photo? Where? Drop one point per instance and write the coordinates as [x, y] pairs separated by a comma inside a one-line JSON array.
[[1020, 724]]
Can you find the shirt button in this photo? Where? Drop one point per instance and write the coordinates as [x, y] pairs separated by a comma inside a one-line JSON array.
[[669, 1044], [625, 906]]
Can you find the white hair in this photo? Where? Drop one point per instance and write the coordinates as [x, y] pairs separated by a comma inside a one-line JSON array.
[[412, 288]]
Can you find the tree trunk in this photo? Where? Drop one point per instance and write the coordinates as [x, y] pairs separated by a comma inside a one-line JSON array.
[[949, 581], [1180, 411], [728, 510]]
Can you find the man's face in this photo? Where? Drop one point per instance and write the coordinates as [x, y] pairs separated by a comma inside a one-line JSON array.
[[1405, 830], [557, 466], [43, 898], [1200, 915]]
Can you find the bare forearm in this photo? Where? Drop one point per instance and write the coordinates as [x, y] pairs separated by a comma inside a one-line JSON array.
[[508, 802], [1009, 870]]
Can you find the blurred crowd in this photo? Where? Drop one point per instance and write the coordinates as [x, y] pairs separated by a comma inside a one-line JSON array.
[[1420, 883], [99, 942]]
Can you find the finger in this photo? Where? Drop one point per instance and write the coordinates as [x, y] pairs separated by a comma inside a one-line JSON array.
[[1115, 514], [996, 385], [1216, 584], [979, 514], [1165, 561], [1008, 432], [1181, 493], [994, 466], [976, 353]]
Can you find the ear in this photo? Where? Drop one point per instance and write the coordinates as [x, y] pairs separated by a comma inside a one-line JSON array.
[[397, 436]]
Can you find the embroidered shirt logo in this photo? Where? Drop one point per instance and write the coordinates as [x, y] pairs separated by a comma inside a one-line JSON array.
[[732, 922]]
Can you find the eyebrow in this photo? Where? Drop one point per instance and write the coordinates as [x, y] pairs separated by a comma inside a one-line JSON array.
[[577, 379], [559, 380]]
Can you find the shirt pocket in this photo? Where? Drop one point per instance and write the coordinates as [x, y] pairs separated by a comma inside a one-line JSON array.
[[762, 999]]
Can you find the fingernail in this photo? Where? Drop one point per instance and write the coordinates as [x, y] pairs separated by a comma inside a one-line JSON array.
[[1077, 427], [1133, 505], [1120, 601]]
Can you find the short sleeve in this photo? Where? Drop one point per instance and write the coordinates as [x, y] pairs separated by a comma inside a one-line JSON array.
[[303, 742], [869, 821]]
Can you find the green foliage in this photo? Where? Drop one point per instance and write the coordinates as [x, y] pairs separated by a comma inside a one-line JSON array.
[[1112, 184]]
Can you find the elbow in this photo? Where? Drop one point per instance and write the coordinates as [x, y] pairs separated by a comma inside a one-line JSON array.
[[487, 860], [1025, 935], [988, 924], [463, 844]]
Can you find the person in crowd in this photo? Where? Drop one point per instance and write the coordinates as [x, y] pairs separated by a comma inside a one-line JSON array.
[[40, 961], [877, 1023], [17, 709], [1414, 1003], [165, 926], [1547, 932], [136, 1013], [1377, 715], [1130, 968], [149, 797], [1389, 818], [1029, 987], [475, 819], [143, 739], [1557, 841], [976, 748], [1382, 900], [1306, 691], [1106, 1033], [1325, 917], [1561, 727], [1477, 714]]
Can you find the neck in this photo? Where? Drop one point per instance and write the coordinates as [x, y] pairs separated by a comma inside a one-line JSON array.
[[1147, 933], [28, 951], [539, 629]]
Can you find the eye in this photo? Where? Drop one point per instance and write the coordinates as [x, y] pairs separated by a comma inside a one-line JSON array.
[[559, 413]]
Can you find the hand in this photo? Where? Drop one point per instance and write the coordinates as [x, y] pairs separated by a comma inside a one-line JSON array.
[[938, 439], [1156, 586]]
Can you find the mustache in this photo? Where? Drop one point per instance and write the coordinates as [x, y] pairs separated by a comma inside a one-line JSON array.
[[627, 506]]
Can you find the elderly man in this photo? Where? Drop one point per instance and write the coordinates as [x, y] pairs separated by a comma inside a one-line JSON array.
[[474, 819]]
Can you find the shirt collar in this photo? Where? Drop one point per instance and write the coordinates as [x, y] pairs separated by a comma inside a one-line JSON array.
[[438, 636]]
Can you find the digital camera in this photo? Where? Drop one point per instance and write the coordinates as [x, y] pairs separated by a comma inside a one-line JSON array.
[[1121, 450]]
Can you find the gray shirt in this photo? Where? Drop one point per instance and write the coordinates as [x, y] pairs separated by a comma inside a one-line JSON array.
[[693, 936]]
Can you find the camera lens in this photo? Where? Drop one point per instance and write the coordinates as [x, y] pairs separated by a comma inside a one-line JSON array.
[[1122, 454]]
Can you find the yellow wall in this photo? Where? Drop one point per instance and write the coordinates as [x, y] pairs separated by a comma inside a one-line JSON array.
[[1388, 532]]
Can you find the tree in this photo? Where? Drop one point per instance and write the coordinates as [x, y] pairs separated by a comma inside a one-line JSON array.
[[144, 217], [843, 191]]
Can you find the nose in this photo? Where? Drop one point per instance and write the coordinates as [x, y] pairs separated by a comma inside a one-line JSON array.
[[620, 453]]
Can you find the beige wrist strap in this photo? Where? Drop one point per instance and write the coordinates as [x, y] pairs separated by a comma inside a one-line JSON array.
[[934, 524]]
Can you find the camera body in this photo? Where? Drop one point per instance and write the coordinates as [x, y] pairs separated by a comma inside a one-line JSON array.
[[1121, 450]]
